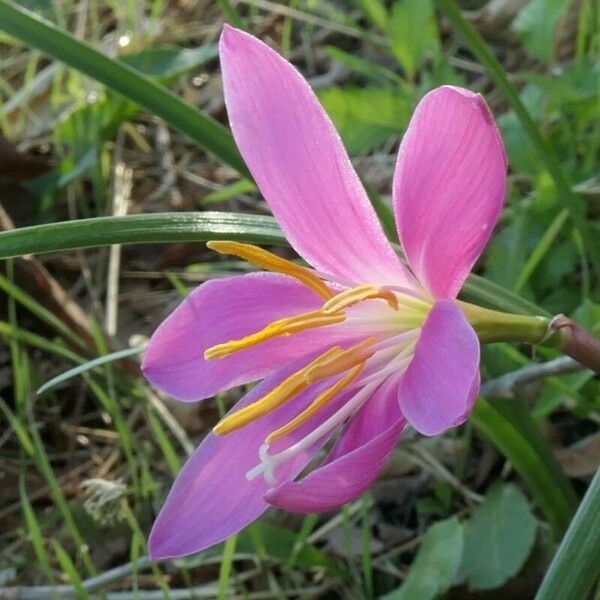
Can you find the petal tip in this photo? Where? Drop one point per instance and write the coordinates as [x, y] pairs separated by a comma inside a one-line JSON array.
[[230, 39], [480, 104]]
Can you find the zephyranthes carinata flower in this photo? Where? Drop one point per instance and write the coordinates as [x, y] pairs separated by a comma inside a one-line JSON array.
[[351, 349]]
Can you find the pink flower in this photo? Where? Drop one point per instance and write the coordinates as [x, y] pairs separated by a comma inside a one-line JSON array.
[[357, 346]]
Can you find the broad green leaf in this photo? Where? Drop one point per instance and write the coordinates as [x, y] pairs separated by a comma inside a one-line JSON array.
[[498, 537], [413, 33], [536, 25], [170, 61], [120, 77], [366, 117], [435, 565]]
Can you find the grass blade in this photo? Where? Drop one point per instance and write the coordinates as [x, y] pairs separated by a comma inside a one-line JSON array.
[[34, 531], [225, 569], [546, 152], [115, 74], [91, 364], [139, 229], [39, 311], [576, 567], [541, 249], [66, 564]]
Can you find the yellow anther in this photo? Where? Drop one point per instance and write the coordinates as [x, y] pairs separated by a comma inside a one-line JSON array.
[[342, 361], [276, 397], [287, 326], [358, 294], [320, 401], [271, 262]]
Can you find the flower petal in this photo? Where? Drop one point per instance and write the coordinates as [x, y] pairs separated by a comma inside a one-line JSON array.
[[221, 310], [449, 187], [300, 165], [211, 498], [441, 383], [355, 461]]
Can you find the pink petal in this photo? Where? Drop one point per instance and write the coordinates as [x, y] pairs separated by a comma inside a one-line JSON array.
[[300, 165], [211, 498], [354, 463], [225, 309], [442, 381], [449, 187]]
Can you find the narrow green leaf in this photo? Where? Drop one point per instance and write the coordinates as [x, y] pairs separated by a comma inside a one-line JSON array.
[[34, 531], [510, 427], [161, 437], [498, 537], [120, 77], [136, 229], [87, 366], [487, 293], [225, 568], [365, 534], [242, 186], [38, 310], [541, 249], [569, 199], [18, 427], [70, 569], [576, 568], [436, 564], [232, 13]]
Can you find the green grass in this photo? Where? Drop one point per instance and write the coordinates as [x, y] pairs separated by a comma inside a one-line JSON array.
[[77, 422]]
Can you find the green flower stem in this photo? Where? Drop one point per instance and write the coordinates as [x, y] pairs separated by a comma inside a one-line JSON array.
[[559, 332], [495, 326]]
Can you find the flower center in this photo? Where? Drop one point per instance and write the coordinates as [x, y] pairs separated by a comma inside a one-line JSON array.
[[389, 330]]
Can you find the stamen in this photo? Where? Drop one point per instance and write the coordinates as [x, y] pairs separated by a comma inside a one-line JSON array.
[[270, 461], [358, 294], [347, 359], [320, 401], [288, 388], [287, 326], [271, 262]]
